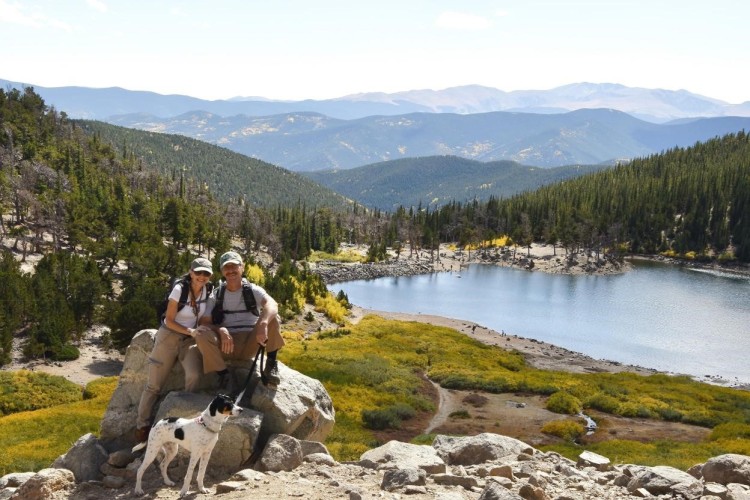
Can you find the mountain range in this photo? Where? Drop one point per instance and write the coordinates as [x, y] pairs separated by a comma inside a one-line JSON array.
[[362, 129], [304, 142], [654, 105]]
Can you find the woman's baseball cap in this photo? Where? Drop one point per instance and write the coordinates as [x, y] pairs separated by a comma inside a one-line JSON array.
[[201, 264]]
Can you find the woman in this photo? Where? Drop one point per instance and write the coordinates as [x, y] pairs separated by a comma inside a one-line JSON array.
[[187, 303]]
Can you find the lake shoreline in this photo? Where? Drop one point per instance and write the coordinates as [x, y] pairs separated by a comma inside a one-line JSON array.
[[541, 258], [539, 354]]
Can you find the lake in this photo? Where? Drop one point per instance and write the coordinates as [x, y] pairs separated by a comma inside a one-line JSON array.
[[659, 316]]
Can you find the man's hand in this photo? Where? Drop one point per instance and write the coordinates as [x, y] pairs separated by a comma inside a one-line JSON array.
[[262, 335], [227, 342]]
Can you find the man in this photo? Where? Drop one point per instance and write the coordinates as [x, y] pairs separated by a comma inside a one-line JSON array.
[[233, 331]]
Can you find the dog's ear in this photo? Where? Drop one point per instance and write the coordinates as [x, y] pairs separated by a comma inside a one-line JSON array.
[[222, 404], [214, 406]]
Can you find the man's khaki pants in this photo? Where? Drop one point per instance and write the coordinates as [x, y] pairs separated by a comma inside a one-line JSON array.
[[246, 346]]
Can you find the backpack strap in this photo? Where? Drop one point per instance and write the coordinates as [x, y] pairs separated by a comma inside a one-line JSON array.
[[247, 295], [185, 282], [250, 302]]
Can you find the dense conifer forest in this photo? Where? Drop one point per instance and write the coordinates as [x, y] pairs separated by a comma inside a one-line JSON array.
[[113, 226]]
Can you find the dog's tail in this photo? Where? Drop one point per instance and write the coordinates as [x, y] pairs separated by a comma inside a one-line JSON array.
[[139, 446]]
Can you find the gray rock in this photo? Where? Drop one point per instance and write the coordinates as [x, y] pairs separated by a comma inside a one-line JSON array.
[[114, 482], [398, 455], [478, 449], [466, 482], [299, 406], [725, 469], [737, 491], [394, 479], [45, 484], [659, 480], [320, 459], [84, 459], [15, 479], [495, 491], [120, 458], [281, 453], [591, 459]]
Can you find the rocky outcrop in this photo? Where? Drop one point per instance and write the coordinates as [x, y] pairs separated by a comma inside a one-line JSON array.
[[299, 406], [486, 467], [336, 272]]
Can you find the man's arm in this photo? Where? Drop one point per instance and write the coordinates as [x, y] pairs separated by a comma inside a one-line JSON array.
[[270, 308]]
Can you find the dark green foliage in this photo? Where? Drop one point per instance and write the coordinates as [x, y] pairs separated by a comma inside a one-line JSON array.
[[344, 299], [684, 200], [333, 334], [229, 175], [387, 418], [16, 302], [442, 179]]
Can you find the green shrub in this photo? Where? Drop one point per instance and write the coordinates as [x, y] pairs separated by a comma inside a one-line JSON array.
[[333, 334], [380, 419], [670, 414], [569, 430], [731, 430], [603, 402], [31, 440], [460, 414], [67, 352], [563, 402], [635, 410], [23, 390], [387, 418], [332, 308]]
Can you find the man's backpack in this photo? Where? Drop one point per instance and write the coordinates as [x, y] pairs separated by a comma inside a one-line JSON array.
[[217, 315], [161, 311]]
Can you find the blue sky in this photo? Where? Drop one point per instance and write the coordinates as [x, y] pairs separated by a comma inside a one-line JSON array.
[[317, 49]]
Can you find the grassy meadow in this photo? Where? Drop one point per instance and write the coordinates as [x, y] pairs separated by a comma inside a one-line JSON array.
[[374, 373], [32, 439], [374, 367]]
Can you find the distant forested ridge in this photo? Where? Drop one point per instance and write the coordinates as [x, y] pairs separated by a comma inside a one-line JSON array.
[[690, 202], [229, 175], [433, 181]]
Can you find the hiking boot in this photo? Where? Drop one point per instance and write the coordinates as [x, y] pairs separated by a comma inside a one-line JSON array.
[[141, 434], [270, 375]]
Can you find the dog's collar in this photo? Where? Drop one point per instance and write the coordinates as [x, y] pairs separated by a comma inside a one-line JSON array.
[[200, 420]]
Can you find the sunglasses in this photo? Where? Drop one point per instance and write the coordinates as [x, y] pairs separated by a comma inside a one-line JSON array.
[[203, 273]]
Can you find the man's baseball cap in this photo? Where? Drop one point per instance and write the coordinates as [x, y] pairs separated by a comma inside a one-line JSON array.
[[230, 257], [201, 264]]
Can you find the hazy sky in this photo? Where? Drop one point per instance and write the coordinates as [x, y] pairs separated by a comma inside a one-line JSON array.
[[317, 49]]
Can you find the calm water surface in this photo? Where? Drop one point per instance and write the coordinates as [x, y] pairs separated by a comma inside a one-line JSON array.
[[658, 316]]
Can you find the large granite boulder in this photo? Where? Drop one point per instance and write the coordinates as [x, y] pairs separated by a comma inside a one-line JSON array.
[[299, 406]]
